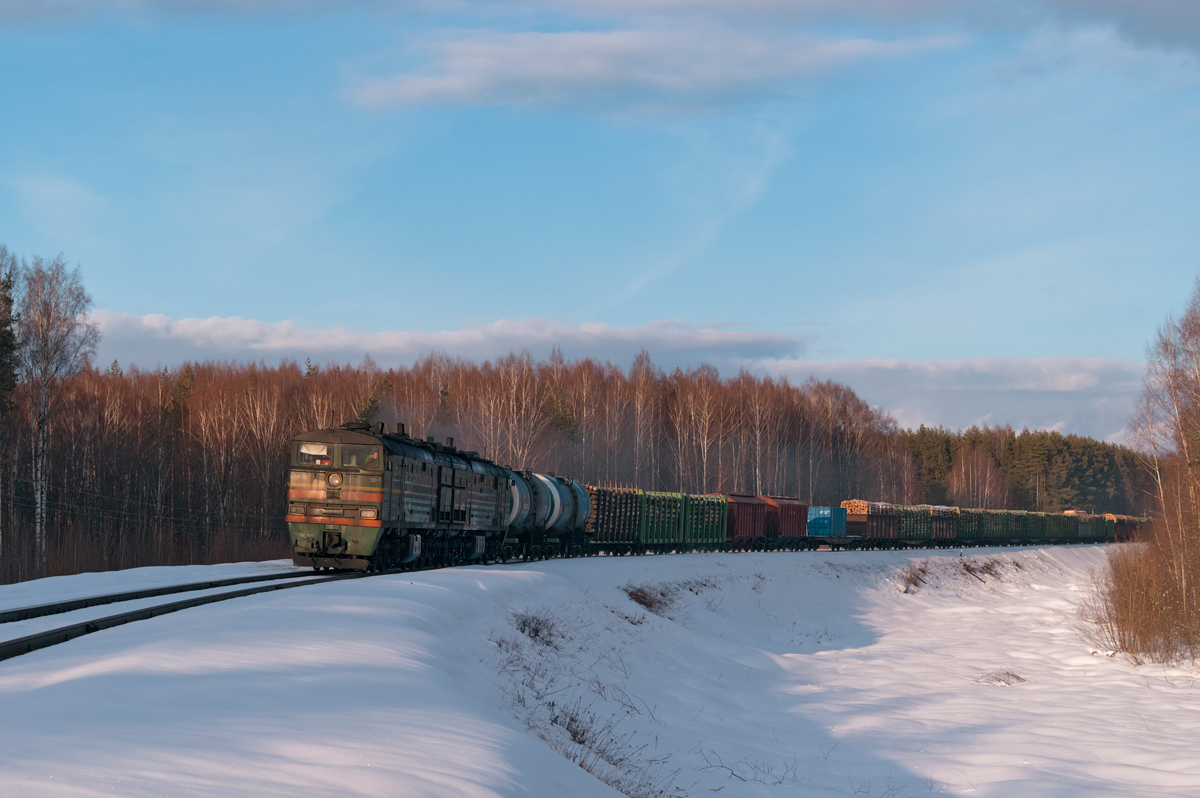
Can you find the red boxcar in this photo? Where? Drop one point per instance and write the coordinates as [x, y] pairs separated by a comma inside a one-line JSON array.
[[787, 522], [747, 529], [945, 522]]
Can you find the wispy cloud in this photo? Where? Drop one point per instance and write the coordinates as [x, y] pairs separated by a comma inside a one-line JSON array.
[[63, 208], [648, 67], [153, 340], [1086, 396], [1171, 23]]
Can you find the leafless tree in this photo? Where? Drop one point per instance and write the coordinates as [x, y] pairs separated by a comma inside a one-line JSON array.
[[976, 481], [56, 341]]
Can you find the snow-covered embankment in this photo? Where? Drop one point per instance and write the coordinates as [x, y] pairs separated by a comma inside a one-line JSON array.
[[797, 674]]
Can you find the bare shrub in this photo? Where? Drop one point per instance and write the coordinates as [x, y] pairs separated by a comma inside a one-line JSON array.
[[914, 574], [661, 598], [1135, 606], [650, 597], [540, 627], [1004, 678]]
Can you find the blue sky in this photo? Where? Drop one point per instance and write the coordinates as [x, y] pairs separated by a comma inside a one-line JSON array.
[[970, 212]]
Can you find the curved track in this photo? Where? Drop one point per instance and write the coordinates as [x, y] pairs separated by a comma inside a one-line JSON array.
[[51, 637]]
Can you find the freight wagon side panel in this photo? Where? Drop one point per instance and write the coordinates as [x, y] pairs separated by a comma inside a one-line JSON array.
[[747, 521], [661, 518], [827, 522], [705, 521], [787, 521]]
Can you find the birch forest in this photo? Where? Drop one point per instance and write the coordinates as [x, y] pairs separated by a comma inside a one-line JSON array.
[[188, 465]]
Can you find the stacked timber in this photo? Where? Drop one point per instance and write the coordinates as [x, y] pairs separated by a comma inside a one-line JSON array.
[[614, 517], [872, 519]]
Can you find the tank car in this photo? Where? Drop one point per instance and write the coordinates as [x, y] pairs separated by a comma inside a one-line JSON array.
[[362, 498]]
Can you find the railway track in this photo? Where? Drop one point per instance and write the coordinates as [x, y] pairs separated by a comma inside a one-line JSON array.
[[63, 634]]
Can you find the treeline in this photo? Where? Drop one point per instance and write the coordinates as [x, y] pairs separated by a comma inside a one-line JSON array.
[[189, 465], [1045, 471]]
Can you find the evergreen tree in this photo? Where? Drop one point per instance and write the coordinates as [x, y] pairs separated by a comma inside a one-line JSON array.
[[8, 385]]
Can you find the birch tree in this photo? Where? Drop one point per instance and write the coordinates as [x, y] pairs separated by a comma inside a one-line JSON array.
[[56, 341]]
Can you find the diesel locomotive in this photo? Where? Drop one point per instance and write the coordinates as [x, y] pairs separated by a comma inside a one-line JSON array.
[[364, 498]]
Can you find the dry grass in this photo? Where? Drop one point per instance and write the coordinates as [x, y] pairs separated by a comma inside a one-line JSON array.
[[1004, 678], [914, 575], [661, 598]]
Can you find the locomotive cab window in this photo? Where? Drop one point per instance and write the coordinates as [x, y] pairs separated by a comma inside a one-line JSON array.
[[314, 454], [359, 456]]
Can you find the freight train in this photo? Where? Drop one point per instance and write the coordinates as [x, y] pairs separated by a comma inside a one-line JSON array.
[[364, 498]]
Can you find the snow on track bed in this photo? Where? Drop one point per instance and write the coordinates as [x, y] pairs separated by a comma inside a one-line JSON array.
[[63, 588], [14, 630], [773, 674]]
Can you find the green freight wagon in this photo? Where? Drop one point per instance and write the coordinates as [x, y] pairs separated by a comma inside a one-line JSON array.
[[916, 524], [1018, 524], [1070, 527], [1037, 527], [660, 520], [705, 521], [973, 525]]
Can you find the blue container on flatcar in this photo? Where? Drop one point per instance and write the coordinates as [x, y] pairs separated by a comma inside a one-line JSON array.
[[827, 522]]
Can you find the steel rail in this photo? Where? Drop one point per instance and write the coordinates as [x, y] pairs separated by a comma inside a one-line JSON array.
[[52, 637], [70, 605]]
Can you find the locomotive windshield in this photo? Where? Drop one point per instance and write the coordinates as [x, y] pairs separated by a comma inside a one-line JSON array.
[[355, 456], [314, 454]]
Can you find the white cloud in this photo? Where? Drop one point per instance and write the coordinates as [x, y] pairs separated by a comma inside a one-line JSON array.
[[643, 66], [155, 340], [1085, 396]]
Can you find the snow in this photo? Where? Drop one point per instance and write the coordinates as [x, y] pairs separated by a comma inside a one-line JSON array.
[[763, 674]]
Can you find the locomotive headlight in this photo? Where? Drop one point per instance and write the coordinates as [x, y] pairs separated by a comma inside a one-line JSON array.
[[369, 514], [335, 480], [296, 509]]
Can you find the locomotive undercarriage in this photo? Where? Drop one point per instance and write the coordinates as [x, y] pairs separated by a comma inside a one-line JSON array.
[[436, 548]]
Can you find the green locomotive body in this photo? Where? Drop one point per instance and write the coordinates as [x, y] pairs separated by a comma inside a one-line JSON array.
[[369, 500]]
